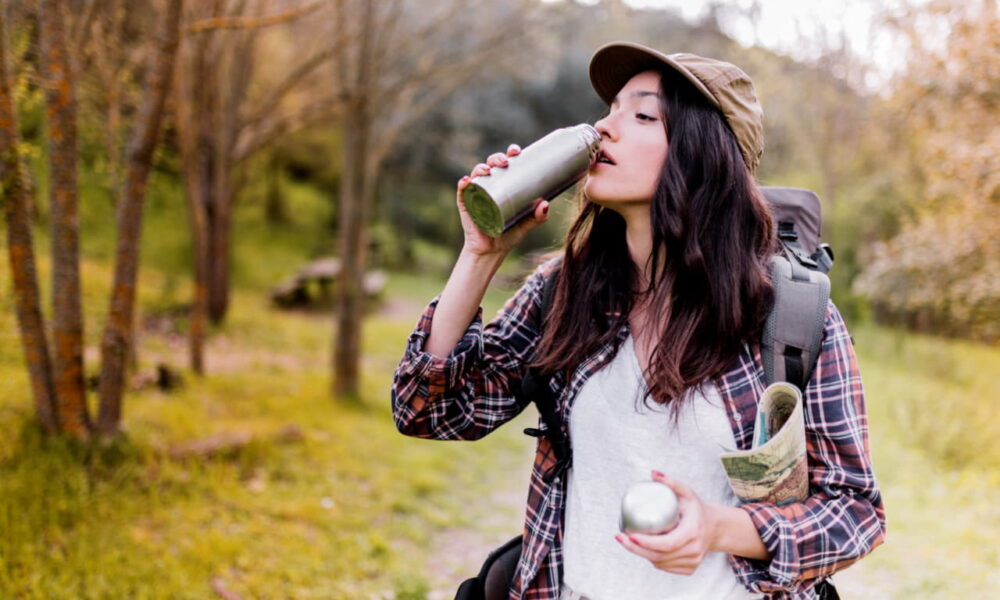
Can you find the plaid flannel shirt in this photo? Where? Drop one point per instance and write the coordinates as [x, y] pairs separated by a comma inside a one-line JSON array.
[[469, 393]]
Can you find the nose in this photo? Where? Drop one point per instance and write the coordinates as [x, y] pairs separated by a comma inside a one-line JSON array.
[[605, 127]]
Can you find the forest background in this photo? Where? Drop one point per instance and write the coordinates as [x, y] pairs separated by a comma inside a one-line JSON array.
[[224, 216]]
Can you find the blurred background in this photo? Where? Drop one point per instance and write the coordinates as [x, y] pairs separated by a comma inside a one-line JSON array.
[[223, 218]]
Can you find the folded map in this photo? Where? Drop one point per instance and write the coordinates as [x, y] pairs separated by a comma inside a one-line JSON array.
[[774, 469]]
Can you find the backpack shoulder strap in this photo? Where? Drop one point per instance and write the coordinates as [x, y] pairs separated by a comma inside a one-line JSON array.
[[535, 388], [793, 332]]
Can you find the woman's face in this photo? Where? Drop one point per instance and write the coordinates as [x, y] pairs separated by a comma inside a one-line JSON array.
[[633, 146]]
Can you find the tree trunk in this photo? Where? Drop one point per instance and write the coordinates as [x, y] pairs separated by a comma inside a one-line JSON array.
[[355, 193], [355, 199], [275, 212], [118, 332], [67, 313], [196, 215], [22, 252], [219, 227]]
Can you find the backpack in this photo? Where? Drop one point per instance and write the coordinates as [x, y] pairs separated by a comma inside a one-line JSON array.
[[790, 344]]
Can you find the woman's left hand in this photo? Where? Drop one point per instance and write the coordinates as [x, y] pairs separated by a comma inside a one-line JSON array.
[[681, 549]]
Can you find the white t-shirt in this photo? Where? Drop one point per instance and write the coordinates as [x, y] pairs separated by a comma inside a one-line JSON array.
[[617, 441]]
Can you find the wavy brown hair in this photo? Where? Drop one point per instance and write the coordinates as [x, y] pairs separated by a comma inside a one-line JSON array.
[[712, 238]]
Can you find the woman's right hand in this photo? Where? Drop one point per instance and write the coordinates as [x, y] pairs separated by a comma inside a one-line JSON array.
[[478, 242]]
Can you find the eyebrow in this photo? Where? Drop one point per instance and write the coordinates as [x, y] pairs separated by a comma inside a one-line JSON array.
[[638, 94]]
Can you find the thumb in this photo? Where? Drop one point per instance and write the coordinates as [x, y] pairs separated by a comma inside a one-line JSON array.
[[681, 489], [540, 216]]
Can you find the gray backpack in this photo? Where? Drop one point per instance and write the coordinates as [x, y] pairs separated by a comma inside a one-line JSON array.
[[794, 329]]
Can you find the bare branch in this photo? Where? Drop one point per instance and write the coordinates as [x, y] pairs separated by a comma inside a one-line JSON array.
[[80, 27], [300, 73], [253, 22], [265, 131]]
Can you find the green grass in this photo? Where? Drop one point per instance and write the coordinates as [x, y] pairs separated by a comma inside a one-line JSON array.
[[325, 517], [339, 514], [934, 439]]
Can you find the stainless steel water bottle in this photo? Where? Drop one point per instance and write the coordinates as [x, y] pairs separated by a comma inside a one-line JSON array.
[[544, 169], [649, 507]]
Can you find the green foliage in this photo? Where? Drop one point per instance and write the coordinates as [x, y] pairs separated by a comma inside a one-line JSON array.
[[939, 272]]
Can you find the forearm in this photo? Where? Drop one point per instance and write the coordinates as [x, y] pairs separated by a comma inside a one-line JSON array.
[[460, 299], [733, 532]]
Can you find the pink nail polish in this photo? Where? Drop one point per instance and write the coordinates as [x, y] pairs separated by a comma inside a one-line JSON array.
[[658, 474]]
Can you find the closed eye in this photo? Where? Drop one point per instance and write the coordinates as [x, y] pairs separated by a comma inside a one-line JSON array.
[[644, 117]]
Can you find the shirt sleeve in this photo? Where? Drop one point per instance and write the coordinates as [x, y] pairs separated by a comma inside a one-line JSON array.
[[473, 390], [843, 519]]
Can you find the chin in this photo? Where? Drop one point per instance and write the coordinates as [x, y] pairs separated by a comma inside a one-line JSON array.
[[611, 198]]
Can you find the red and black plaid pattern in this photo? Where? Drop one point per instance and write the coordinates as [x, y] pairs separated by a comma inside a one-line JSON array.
[[469, 393]]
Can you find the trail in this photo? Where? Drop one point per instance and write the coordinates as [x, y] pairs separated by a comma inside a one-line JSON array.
[[498, 515]]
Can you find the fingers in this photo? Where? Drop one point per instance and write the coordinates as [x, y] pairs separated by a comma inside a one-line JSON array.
[[631, 543], [480, 170], [683, 563], [664, 543], [497, 159]]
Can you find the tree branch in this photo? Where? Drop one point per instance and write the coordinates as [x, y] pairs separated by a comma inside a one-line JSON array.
[[252, 22]]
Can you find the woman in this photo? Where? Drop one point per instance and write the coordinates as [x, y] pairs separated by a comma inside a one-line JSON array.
[[653, 342]]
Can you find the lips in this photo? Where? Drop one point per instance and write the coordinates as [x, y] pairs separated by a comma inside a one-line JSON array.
[[605, 158]]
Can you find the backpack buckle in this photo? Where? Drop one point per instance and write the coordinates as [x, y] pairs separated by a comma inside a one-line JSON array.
[[786, 231]]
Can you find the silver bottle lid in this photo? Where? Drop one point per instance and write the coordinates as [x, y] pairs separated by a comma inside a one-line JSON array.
[[649, 507]]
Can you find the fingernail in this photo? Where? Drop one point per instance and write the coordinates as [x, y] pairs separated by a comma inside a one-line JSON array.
[[618, 538], [545, 210], [658, 474], [633, 540]]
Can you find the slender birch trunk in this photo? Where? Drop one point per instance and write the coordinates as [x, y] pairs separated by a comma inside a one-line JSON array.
[[355, 199], [118, 331], [196, 216], [356, 191], [22, 253], [67, 312]]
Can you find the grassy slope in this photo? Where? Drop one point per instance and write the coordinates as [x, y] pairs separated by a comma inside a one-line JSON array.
[[933, 433], [351, 510], [309, 519]]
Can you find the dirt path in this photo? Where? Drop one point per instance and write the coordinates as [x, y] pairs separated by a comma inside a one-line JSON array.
[[497, 515]]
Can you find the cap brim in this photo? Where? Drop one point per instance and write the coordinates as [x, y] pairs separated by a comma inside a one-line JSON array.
[[614, 64]]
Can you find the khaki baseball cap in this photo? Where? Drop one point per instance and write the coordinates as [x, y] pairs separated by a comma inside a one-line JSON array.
[[725, 85]]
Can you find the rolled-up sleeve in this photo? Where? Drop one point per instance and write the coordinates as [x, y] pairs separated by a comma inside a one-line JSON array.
[[843, 519], [470, 392]]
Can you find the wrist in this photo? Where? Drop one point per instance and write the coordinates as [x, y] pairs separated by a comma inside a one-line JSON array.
[[732, 531], [714, 520], [481, 261]]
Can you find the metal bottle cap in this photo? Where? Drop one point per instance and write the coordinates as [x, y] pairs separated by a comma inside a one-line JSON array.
[[649, 507]]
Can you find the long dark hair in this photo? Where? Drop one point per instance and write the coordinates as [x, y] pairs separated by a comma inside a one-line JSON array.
[[712, 236]]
